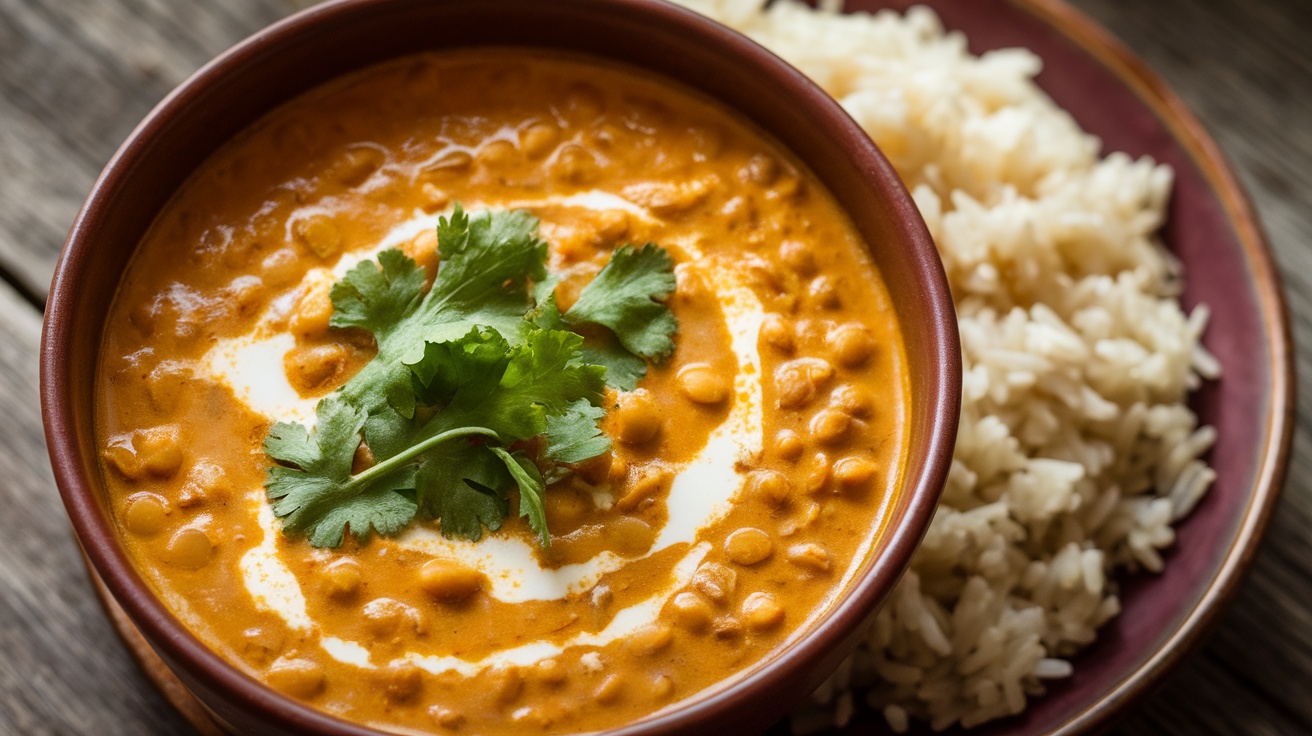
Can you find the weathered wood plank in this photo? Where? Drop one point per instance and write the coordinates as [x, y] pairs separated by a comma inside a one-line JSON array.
[[75, 77]]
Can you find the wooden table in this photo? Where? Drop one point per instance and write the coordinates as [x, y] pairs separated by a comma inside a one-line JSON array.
[[77, 75]]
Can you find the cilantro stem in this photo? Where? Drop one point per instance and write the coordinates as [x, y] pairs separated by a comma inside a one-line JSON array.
[[412, 452]]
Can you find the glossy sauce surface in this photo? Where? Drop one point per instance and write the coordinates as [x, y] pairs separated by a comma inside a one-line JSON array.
[[789, 376]]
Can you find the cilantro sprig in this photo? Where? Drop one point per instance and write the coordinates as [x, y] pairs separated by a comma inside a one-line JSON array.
[[476, 388]]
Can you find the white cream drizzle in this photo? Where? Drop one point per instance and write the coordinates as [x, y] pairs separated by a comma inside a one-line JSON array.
[[271, 584], [626, 622], [701, 493]]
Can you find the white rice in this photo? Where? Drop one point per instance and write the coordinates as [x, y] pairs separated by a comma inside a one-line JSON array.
[[1076, 450]]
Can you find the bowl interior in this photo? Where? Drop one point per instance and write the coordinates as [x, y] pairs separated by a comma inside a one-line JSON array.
[[333, 39]]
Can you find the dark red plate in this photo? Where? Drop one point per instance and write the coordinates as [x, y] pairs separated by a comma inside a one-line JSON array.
[[1228, 266]]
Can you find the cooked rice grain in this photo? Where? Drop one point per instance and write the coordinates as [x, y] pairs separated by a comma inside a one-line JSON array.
[[1076, 449]]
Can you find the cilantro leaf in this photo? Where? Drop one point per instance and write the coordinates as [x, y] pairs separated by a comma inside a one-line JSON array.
[[575, 436], [531, 489], [459, 485], [623, 369], [546, 371], [547, 312], [487, 261], [624, 297], [378, 297], [381, 508], [311, 491], [324, 457], [388, 432], [513, 395], [314, 492], [465, 374], [543, 376], [489, 389], [471, 367], [539, 386]]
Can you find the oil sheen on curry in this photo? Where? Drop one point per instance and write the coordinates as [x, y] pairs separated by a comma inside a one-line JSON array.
[[709, 455]]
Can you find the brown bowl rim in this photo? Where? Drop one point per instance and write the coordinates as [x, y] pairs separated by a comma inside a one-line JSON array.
[[1273, 467], [96, 534]]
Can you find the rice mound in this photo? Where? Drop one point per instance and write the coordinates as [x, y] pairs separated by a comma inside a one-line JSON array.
[[1076, 450]]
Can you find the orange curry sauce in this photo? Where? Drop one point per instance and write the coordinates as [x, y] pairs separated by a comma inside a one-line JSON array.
[[237, 250]]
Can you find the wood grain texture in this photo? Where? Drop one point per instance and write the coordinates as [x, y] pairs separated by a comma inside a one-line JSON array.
[[77, 75]]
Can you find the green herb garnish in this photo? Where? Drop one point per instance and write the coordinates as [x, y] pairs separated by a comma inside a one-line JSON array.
[[480, 384]]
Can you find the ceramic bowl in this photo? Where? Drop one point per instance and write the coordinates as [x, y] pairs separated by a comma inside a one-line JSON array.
[[330, 40]]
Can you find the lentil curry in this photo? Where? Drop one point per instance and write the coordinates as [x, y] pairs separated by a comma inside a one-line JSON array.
[[749, 475]]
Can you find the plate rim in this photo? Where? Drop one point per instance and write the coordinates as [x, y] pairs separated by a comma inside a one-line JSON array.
[[1271, 468], [1273, 453]]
